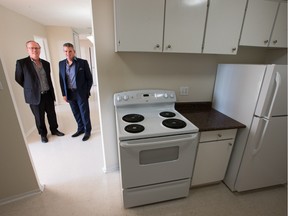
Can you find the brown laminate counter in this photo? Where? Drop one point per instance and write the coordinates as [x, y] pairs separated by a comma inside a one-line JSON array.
[[202, 115]]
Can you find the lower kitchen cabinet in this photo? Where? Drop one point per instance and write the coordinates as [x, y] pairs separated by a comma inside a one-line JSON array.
[[213, 156]]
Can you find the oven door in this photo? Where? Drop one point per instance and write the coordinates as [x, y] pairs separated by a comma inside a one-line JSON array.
[[157, 160]]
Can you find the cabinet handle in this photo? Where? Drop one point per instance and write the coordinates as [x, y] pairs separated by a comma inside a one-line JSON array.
[[219, 135], [275, 41], [266, 41], [233, 49], [157, 46], [169, 46], [230, 144]]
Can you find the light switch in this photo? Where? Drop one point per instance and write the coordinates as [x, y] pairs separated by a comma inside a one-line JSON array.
[[184, 90]]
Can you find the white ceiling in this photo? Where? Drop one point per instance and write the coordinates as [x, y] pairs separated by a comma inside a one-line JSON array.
[[71, 13]]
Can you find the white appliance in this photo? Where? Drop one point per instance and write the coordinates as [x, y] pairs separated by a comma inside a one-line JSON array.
[[157, 147], [255, 95]]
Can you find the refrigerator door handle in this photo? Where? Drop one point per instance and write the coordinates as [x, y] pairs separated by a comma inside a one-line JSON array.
[[259, 143], [278, 82]]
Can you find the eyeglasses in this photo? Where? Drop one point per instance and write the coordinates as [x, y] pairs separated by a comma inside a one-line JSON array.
[[33, 48]]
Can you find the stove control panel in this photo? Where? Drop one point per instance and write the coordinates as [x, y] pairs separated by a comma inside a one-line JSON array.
[[144, 97]]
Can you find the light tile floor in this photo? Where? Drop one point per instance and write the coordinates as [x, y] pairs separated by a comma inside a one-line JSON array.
[[75, 184]]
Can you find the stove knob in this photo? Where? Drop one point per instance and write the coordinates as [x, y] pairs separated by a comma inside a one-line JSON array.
[[165, 95], [171, 95], [125, 97], [119, 98]]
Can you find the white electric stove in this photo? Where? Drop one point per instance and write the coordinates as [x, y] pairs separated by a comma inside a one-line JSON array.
[[157, 147], [149, 113]]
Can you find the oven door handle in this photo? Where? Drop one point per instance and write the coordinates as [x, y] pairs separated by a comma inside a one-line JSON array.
[[179, 142]]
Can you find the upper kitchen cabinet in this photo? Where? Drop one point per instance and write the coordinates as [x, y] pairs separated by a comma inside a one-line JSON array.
[[259, 22], [184, 26], [223, 28], [139, 25], [279, 33]]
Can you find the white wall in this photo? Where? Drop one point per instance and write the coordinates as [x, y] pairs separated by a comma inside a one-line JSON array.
[[126, 71]]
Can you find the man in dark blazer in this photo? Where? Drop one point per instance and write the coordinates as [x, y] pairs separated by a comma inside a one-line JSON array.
[[33, 74], [76, 81]]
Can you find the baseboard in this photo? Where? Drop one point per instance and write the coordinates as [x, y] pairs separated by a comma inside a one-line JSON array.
[[20, 196], [30, 131]]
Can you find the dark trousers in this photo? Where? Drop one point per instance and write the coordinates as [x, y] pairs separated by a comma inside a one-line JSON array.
[[81, 111], [46, 106]]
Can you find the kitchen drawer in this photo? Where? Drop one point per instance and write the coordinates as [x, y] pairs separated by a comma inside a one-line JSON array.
[[207, 136]]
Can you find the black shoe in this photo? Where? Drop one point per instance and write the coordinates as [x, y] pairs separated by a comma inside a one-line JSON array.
[[86, 137], [77, 133], [57, 133], [44, 139]]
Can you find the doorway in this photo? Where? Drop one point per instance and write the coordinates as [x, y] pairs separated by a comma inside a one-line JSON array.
[[66, 159]]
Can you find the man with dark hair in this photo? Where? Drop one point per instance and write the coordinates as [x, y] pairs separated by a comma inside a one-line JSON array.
[[33, 74], [76, 81]]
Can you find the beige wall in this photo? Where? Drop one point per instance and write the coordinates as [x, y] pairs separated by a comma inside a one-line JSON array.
[[57, 36], [18, 30], [15, 163], [18, 177], [126, 71], [14, 35], [17, 173]]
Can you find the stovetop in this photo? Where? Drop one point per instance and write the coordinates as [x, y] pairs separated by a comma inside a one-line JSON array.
[[147, 105]]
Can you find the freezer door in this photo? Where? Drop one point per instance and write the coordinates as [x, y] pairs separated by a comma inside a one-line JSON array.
[[264, 162], [273, 94]]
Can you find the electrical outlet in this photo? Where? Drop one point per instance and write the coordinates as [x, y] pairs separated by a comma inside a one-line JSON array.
[[184, 90]]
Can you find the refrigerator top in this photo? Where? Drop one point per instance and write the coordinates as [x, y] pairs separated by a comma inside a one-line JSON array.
[[242, 91], [237, 89]]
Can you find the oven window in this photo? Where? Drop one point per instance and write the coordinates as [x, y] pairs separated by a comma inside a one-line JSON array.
[[159, 155]]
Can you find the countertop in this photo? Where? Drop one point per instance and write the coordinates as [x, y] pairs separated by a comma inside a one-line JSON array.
[[202, 115]]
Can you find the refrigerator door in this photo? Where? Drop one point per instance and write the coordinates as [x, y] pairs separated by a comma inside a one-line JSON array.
[[273, 95], [264, 162]]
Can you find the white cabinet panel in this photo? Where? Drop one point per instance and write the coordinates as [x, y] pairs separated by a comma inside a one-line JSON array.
[[279, 34], [184, 26], [224, 24], [217, 135], [139, 25], [258, 23], [213, 156], [211, 162]]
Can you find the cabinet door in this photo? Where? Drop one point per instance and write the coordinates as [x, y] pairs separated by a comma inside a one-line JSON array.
[[258, 23], [211, 161], [223, 28], [184, 26], [279, 34], [139, 25]]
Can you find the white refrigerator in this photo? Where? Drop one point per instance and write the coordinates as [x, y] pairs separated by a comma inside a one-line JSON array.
[[255, 95]]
